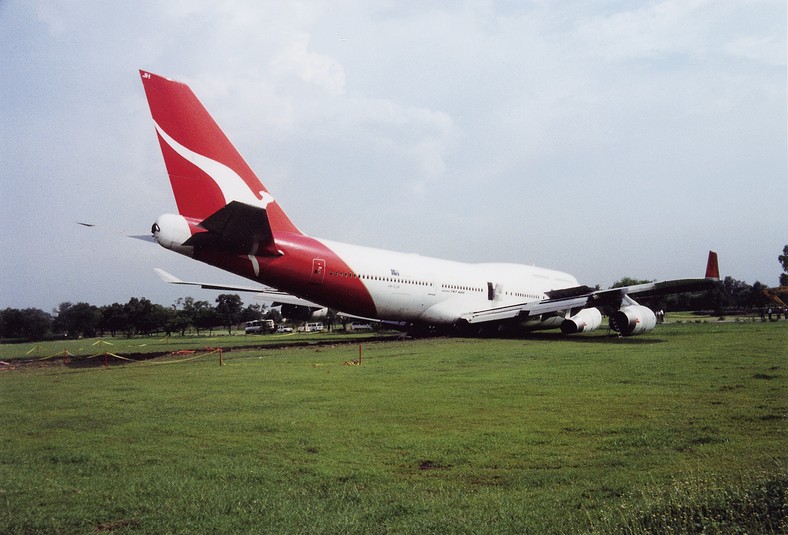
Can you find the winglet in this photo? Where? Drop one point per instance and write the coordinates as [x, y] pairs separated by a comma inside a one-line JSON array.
[[712, 268]]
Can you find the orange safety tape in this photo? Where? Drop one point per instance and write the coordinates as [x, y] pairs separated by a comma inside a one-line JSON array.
[[108, 354], [182, 360], [68, 354]]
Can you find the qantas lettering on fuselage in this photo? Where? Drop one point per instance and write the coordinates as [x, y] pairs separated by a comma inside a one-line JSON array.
[[228, 219]]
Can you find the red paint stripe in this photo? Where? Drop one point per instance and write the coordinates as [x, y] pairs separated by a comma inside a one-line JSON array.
[[292, 273]]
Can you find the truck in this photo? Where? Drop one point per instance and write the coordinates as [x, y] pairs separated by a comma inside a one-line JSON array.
[[259, 326]]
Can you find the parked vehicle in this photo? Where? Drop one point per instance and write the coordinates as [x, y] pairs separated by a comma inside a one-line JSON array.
[[259, 326]]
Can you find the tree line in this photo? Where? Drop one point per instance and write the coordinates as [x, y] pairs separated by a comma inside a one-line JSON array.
[[733, 297], [139, 316]]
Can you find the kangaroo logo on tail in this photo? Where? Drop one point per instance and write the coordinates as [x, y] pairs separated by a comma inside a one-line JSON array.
[[229, 182]]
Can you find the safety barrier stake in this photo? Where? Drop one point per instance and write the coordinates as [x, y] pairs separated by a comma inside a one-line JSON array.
[[220, 357], [65, 353]]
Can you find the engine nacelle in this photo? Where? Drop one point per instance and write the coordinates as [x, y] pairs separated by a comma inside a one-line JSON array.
[[633, 319], [171, 231], [303, 313], [586, 320]]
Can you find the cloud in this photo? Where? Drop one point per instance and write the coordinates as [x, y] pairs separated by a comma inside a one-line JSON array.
[[318, 69], [654, 30], [757, 48]]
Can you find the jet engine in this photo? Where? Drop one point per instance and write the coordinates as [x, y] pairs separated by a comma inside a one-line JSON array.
[[303, 313], [171, 231], [586, 320], [633, 319]]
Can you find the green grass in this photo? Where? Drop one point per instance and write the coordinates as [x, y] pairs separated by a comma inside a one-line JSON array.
[[680, 428]]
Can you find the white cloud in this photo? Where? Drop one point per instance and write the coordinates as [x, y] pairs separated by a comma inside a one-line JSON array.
[[653, 30], [758, 48], [318, 69]]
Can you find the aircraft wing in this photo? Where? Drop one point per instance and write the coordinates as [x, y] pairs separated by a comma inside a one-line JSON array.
[[263, 292], [566, 301], [571, 300]]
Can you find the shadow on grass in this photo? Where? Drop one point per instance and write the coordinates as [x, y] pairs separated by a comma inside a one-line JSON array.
[[578, 339]]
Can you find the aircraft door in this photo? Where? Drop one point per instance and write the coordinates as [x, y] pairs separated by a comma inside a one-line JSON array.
[[494, 292], [318, 271], [432, 289]]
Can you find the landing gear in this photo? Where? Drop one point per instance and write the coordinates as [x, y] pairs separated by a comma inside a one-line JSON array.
[[421, 330]]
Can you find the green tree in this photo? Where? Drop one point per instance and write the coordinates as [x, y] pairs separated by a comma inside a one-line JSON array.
[[252, 312], [204, 316], [738, 292], [161, 319], [757, 298], [30, 323], [113, 318], [181, 319], [75, 320], [783, 258], [229, 307], [142, 316], [37, 323], [185, 312]]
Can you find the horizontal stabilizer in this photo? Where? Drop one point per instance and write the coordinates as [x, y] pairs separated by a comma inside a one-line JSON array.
[[143, 237], [169, 278], [262, 292], [239, 228]]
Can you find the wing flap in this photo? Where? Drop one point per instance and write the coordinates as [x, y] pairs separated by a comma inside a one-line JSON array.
[[527, 309]]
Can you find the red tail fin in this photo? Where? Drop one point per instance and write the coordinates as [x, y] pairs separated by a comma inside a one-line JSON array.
[[712, 268], [206, 171]]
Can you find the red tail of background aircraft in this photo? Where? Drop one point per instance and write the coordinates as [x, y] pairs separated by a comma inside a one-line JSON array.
[[228, 219]]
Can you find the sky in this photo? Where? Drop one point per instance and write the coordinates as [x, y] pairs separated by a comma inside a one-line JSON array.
[[606, 138]]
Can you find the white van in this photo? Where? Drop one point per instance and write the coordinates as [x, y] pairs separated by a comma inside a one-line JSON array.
[[259, 326]]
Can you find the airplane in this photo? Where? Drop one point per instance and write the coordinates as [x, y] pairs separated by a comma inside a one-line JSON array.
[[228, 219]]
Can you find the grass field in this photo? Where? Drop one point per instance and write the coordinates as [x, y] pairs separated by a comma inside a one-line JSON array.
[[681, 430]]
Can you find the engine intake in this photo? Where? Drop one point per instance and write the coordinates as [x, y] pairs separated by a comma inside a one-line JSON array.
[[586, 320], [303, 313], [633, 319]]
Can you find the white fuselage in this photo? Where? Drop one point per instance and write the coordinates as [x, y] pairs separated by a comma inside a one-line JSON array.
[[410, 287]]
